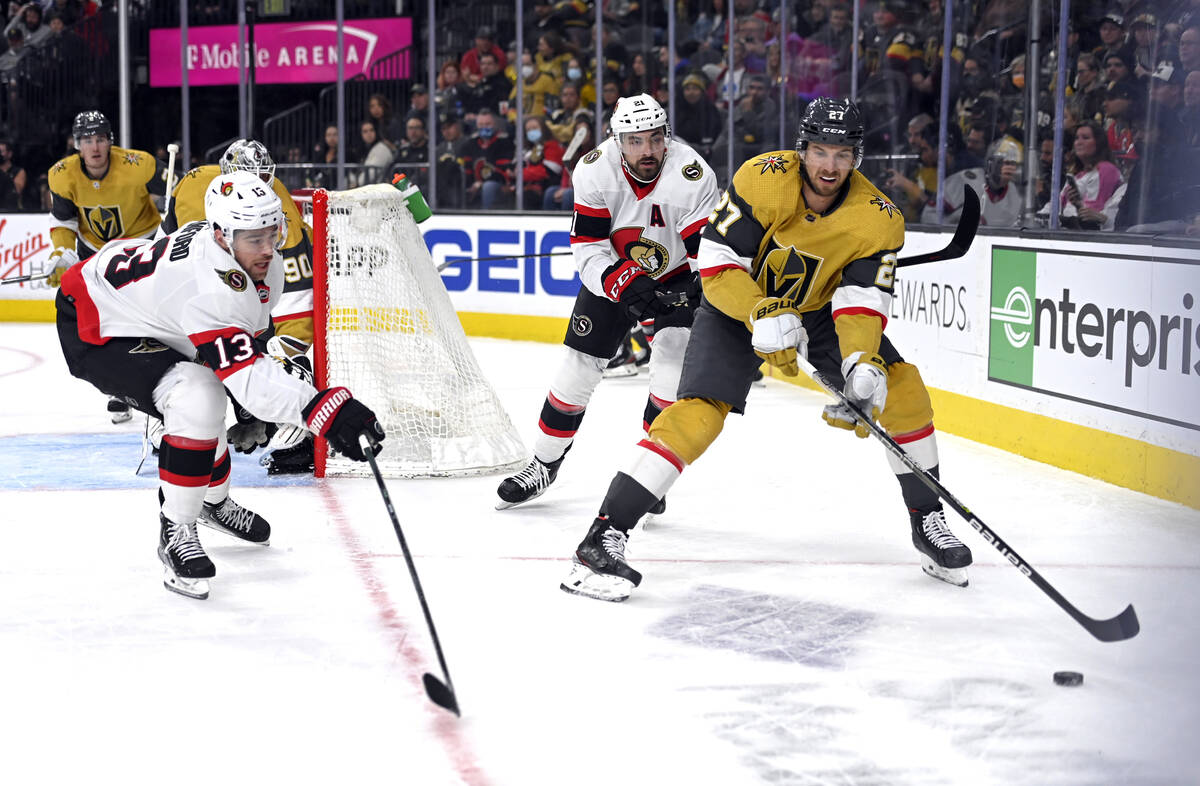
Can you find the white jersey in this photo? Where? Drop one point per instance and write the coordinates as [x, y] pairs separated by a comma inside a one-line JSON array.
[[656, 224], [997, 208], [187, 292]]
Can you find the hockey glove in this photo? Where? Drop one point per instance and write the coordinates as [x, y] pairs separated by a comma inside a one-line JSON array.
[[778, 334], [57, 263], [339, 417], [626, 283], [249, 433], [866, 388]]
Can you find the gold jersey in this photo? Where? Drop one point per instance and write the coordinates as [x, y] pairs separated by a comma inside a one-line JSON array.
[[293, 315], [844, 257], [87, 212]]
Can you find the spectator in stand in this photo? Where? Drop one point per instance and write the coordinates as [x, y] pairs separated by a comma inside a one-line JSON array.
[[414, 150], [418, 106], [485, 44], [538, 86], [562, 122], [291, 171], [1166, 93], [451, 93], [451, 189], [1191, 108], [916, 185], [17, 51], [1122, 103], [543, 162], [69, 11], [740, 78], [488, 160], [643, 76], [325, 154], [1087, 199], [15, 173], [837, 36], [586, 81], [1164, 186], [1116, 69], [1045, 169], [552, 55], [62, 41], [29, 20], [877, 38], [1112, 37], [379, 112], [1146, 44], [1189, 48], [697, 119], [755, 120], [1088, 97], [610, 92], [377, 158], [490, 89], [978, 137], [562, 196]]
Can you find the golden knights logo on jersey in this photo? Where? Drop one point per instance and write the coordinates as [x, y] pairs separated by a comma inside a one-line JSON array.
[[104, 221], [787, 273], [652, 257]]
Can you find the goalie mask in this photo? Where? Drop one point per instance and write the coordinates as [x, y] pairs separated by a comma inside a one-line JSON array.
[[247, 155], [639, 124], [241, 201]]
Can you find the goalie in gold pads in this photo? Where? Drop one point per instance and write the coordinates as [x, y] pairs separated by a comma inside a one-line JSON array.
[[798, 256], [293, 316]]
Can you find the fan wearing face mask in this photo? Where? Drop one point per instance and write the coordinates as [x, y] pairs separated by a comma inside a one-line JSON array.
[[538, 85]]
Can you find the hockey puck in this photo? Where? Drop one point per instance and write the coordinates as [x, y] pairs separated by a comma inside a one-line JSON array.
[[1068, 678]]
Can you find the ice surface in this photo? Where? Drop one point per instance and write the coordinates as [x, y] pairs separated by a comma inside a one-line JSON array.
[[784, 632]]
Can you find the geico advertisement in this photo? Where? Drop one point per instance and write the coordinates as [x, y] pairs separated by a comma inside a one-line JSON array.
[[1118, 333], [24, 244], [505, 264]]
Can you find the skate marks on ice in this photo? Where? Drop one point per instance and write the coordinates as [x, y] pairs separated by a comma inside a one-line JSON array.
[[90, 462], [763, 625]]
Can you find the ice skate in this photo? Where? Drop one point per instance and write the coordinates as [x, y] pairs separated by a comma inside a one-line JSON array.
[[232, 519], [529, 483], [623, 364], [943, 556], [600, 570], [297, 459], [187, 568], [118, 410]]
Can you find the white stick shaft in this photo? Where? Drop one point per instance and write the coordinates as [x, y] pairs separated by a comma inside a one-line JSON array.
[[172, 151]]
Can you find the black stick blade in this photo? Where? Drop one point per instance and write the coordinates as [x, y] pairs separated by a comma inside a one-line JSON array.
[[1121, 627], [440, 694]]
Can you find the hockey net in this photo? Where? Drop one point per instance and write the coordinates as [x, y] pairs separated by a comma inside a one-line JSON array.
[[386, 329]]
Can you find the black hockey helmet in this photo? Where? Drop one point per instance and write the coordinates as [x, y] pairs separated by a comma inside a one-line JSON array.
[[832, 121], [89, 123]]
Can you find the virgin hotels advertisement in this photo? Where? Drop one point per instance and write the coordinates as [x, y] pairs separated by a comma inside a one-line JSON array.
[[284, 52]]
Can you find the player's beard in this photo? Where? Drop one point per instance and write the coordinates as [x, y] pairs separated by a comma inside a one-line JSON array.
[[820, 187], [646, 169]]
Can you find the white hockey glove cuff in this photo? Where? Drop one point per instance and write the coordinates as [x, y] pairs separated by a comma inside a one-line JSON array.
[[778, 334], [57, 263], [866, 388]]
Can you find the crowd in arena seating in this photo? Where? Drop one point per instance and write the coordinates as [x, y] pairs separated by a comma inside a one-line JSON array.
[[1130, 126]]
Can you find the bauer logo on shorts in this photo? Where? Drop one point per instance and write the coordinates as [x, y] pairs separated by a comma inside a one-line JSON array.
[[234, 279], [226, 188], [581, 324]]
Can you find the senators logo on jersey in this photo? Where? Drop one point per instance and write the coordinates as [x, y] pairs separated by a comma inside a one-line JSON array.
[[105, 222], [652, 257]]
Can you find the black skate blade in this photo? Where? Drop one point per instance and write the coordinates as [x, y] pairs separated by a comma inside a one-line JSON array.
[[440, 694]]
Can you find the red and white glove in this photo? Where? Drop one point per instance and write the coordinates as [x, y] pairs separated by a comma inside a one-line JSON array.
[[339, 417], [626, 283]]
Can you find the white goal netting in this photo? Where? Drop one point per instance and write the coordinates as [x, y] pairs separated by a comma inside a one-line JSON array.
[[393, 338]]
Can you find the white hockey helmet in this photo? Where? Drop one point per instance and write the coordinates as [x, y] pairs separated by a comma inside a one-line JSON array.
[[638, 113], [247, 155], [240, 200]]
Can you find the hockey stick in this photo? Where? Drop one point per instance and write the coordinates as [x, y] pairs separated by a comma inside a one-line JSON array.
[[964, 234], [172, 149], [23, 279], [1123, 626], [440, 693]]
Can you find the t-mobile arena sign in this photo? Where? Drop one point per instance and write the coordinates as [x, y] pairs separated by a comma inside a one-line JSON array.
[[284, 52]]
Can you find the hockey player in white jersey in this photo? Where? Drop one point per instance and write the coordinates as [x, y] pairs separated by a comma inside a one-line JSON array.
[[641, 200], [170, 326], [993, 183]]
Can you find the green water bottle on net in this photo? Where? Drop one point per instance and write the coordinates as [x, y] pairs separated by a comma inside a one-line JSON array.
[[412, 196]]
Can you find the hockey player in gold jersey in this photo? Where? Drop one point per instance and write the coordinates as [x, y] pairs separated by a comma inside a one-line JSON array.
[[293, 317], [101, 193], [798, 256]]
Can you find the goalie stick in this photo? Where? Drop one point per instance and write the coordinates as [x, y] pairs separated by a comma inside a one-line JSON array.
[[440, 693], [964, 235], [1123, 626]]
